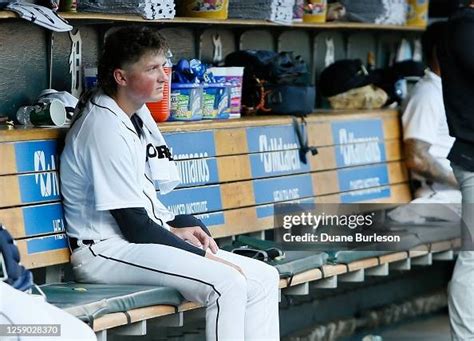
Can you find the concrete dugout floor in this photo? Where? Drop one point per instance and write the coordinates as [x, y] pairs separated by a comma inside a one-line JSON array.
[[430, 328]]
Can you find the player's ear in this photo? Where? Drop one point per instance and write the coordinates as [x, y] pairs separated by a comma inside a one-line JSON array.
[[119, 76]]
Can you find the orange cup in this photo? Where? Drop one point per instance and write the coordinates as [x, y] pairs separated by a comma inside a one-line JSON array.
[[161, 110]]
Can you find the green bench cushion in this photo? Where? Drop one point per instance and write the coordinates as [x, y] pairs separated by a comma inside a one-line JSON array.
[[90, 301], [411, 236], [348, 256], [296, 262], [293, 263]]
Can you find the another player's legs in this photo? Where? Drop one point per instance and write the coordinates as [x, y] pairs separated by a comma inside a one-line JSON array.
[[461, 287]]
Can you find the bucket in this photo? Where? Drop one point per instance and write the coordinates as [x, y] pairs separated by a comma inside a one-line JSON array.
[[233, 76], [215, 101], [186, 102], [315, 11], [417, 14], [210, 9], [161, 110]]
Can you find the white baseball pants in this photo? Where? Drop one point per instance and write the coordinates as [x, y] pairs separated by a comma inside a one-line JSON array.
[[238, 308], [461, 287]]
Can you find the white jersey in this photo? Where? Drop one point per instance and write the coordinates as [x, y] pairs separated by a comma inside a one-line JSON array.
[[424, 118], [103, 167]]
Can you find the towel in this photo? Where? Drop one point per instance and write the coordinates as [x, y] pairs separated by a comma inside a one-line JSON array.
[[279, 11], [148, 9], [163, 169]]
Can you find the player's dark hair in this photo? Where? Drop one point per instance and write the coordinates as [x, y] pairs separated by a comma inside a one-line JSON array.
[[124, 46], [431, 39]]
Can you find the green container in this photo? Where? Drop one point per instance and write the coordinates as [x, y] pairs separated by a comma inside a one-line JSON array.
[[216, 101], [186, 102]]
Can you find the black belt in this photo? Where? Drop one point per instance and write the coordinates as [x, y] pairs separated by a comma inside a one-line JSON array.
[[73, 243]]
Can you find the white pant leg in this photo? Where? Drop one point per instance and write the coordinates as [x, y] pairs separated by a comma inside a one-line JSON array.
[[218, 286], [262, 311], [461, 287], [461, 298], [17, 307]]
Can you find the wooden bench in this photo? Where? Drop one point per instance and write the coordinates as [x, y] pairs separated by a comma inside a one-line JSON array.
[[233, 172]]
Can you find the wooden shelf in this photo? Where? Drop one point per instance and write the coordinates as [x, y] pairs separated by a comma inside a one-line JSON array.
[[20, 133], [84, 16]]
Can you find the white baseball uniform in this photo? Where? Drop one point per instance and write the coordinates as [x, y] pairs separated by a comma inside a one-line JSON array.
[[17, 308], [104, 167], [424, 118]]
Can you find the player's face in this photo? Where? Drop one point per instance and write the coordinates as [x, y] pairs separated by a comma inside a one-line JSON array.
[[146, 78]]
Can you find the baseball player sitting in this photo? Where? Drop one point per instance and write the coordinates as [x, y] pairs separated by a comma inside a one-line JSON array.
[[427, 143], [119, 232]]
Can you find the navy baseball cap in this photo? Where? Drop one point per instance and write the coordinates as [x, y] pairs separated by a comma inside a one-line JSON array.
[[343, 75]]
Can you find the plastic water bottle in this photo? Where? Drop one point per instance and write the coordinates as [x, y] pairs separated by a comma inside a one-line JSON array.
[[23, 115]]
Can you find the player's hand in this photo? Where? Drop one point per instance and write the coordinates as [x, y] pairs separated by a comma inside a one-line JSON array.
[[196, 236], [223, 261]]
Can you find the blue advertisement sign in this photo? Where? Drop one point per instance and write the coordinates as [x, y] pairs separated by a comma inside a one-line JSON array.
[[284, 162], [212, 219], [365, 181], [269, 210], [39, 187], [191, 145], [271, 138], [194, 155], [196, 172], [265, 211], [43, 219], [51, 243], [36, 156], [288, 188], [193, 200], [282, 188], [274, 151], [358, 142]]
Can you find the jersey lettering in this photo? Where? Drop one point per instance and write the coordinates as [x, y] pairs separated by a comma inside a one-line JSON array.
[[150, 151], [159, 151]]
